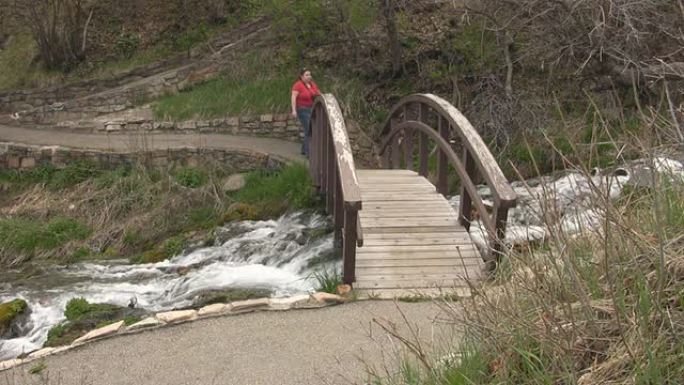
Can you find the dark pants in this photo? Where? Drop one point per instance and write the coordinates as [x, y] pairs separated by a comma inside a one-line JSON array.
[[304, 115]]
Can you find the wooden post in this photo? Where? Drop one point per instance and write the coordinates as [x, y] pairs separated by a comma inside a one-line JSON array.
[[325, 158], [349, 245], [496, 240], [442, 161], [331, 184], [396, 154], [408, 149], [466, 206], [339, 214], [313, 147], [423, 154]]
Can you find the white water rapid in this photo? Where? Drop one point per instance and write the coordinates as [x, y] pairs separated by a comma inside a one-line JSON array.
[[275, 255]]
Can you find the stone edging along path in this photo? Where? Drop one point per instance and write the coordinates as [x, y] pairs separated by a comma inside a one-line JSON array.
[[175, 317]]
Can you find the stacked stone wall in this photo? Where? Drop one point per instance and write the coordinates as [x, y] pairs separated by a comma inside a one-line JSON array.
[[21, 100], [24, 157], [278, 126], [51, 106]]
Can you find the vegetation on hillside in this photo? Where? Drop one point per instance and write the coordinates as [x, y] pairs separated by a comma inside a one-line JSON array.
[[145, 213], [605, 306]]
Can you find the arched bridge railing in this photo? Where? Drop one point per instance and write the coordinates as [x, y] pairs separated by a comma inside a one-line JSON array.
[[434, 119], [334, 174]]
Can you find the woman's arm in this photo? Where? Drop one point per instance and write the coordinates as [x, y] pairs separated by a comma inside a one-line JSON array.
[[293, 101]]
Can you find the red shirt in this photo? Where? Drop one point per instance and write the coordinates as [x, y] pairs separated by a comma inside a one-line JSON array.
[[305, 94]]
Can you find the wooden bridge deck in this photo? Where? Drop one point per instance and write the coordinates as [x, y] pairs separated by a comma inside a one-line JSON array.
[[413, 242]]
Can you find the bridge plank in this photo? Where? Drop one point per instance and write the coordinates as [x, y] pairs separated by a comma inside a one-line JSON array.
[[385, 172], [412, 248], [418, 242], [412, 236], [377, 282], [456, 255], [445, 262], [461, 232]]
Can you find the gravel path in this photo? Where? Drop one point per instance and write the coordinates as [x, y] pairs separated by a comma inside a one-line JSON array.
[[332, 345], [129, 142]]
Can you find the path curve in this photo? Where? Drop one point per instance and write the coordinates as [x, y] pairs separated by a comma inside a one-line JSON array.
[[130, 142], [331, 345]]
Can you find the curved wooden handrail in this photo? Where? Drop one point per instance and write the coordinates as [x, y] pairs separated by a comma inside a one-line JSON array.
[[331, 164], [477, 159]]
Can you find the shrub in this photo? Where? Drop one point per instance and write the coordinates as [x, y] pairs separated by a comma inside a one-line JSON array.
[[126, 44], [190, 177]]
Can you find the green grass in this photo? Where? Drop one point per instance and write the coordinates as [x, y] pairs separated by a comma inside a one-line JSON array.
[[327, 281], [52, 177], [38, 368], [228, 96], [273, 193], [29, 236]]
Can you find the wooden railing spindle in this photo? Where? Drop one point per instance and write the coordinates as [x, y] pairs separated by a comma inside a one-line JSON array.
[[476, 161], [466, 205], [423, 157], [442, 163]]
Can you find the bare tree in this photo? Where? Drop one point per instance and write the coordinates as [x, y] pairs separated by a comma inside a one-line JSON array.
[[60, 29], [388, 12]]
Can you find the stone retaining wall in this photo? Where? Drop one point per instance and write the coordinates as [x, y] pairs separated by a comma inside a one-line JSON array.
[[22, 157], [123, 89], [279, 126], [19, 100], [50, 106]]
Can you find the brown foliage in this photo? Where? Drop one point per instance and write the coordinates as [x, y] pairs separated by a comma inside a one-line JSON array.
[[59, 28]]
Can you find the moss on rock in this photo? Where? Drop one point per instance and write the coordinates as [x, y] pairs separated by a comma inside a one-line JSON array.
[[9, 311], [83, 316], [228, 295]]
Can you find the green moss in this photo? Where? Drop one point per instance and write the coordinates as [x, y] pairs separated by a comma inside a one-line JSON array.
[[78, 308], [82, 317], [240, 212], [167, 249], [229, 295], [9, 311]]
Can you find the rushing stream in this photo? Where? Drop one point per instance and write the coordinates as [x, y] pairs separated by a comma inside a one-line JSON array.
[[278, 255], [282, 255]]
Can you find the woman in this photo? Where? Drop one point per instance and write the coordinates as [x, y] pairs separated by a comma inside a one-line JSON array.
[[303, 92]]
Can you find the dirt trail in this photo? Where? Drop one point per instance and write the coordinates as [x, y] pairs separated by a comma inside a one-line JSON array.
[[130, 142]]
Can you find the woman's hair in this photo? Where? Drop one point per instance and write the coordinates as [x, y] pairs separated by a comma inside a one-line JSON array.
[[301, 72]]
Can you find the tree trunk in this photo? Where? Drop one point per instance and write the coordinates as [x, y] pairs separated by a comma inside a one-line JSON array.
[[393, 37]]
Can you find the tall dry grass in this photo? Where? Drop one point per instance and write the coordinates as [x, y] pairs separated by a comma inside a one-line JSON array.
[[604, 306]]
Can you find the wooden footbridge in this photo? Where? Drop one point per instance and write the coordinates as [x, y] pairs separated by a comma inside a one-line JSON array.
[[399, 234]]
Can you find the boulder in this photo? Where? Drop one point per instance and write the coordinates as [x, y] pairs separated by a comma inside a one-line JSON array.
[[343, 289], [177, 316], [146, 323], [294, 302], [214, 309], [100, 332], [12, 315], [323, 297], [250, 305], [228, 295], [234, 182]]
